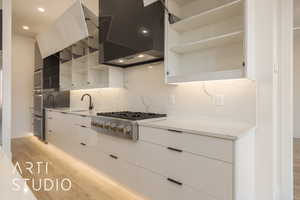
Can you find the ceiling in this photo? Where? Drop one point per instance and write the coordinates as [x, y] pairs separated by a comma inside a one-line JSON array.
[[25, 13]]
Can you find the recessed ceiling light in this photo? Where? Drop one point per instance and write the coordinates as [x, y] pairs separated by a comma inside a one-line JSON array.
[[25, 27], [41, 9], [121, 61], [141, 56]]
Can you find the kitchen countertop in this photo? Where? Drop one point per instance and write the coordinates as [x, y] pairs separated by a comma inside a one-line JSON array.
[[7, 176], [219, 128], [75, 111]]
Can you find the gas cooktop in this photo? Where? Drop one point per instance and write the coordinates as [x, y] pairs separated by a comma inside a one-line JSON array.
[[134, 116]]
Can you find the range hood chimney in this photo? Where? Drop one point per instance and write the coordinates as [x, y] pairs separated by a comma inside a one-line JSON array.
[[131, 32]]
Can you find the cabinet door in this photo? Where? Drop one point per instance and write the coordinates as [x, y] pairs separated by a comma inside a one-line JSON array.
[[65, 76], [120, 171], [51, 72], [208, 175], [80, 73], [154, 186]]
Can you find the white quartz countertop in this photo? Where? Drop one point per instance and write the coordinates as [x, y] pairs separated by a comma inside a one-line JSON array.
[[7, 187], [75, 111], [220, 128]]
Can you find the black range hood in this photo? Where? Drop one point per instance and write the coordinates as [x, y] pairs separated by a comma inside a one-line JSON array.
[[131, 34]]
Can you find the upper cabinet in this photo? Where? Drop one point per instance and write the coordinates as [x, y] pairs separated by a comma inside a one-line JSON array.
[[79, 63], [207, 43], [67, 30]]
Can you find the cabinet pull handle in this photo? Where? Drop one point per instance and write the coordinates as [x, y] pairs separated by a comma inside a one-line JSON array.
[[83, 144], [113, 156], [174, 181], [50, 131], [63, 113], [174, 149], [83, 116], [83, 126], [50, 118], [172, 130]]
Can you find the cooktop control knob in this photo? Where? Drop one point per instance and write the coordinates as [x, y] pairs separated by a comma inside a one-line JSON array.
[[100, 124], [113, 126], [120, 128], [107, 125], [127, 130]]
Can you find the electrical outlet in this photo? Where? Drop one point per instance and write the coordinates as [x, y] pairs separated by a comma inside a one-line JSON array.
[[172, 99], [218, 100]]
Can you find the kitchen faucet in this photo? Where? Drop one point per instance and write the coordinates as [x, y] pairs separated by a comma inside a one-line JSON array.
[[91, 104]]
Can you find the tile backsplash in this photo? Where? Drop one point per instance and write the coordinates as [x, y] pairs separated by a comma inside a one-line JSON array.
[[145, 90]]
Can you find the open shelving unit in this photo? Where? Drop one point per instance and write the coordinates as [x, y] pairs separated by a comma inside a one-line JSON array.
[[79, 64], [212, 16], [207, 43]]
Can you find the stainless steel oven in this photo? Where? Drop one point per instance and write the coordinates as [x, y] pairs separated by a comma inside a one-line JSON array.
[[38, 103], [38, 79], [38, 126]]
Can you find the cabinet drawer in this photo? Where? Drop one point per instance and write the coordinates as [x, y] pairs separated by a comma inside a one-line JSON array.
[[202, 145], [126, 149], [211, 176], [81, 120], [156, 187], [116, 168], [85, 136]]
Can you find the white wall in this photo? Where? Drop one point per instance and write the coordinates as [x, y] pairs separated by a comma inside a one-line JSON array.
[[297, 70], [191, 101], [22, 85], [297, 86], [7, 75]]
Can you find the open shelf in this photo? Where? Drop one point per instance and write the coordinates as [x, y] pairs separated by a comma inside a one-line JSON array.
[[209, 43], [218, 75], [210, 17]]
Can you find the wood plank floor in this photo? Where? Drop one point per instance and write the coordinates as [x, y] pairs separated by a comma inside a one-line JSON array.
[[86, 184]]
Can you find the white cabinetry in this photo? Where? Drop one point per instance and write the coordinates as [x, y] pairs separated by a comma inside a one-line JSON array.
[[79, 66], [67, 29], [163, 164], [208, 43]]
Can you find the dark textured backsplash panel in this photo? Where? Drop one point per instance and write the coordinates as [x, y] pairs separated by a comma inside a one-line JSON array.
[[61, 99]]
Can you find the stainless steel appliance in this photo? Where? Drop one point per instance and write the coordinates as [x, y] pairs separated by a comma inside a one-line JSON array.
[[38, 79], [38, 103], [121, 124], [38, 126]]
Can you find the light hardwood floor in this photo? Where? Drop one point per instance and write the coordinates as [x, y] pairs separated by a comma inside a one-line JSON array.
[[297, 169], [86, 185]]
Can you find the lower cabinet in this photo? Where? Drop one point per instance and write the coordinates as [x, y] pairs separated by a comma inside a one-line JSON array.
[[157, 168], [156, 187]]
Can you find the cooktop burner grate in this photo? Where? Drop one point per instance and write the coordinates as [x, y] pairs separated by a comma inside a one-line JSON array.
[[131, 115]]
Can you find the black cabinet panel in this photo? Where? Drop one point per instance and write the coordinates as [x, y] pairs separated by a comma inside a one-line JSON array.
[[1, 28], [51, 72]]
